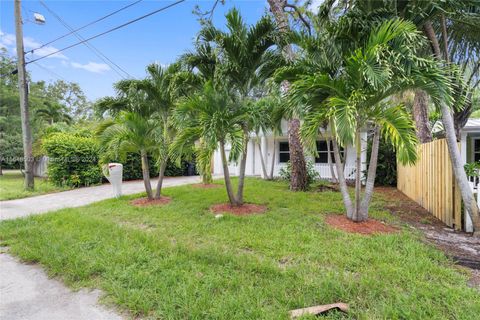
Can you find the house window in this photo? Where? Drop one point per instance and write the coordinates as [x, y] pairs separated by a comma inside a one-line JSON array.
[[283, 152], [323, 152], [476, 150]]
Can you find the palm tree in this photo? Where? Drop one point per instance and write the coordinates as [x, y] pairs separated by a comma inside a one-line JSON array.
[[298, 180], [160, 88], [358, 95], [246, 57], [452, 30], [266, 117], [53, 112], [198, 67], [130, 132], [214, 119], [153, 100]]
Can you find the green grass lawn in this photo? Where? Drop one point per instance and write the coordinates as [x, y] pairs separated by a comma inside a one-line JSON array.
[[179, 262], [11, 186]]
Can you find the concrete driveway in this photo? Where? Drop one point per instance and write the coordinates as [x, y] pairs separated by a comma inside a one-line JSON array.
[[26, 292], [12, 209]]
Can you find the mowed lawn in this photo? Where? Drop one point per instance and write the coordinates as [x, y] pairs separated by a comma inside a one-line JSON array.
[[180, 262], [12, 187]]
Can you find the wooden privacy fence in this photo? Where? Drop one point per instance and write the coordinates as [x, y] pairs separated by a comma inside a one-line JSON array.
[[431, 183]]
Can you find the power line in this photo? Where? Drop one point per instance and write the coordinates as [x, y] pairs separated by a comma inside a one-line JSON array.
[[111, 30], [88, 24], [90, 46], [56, 75]]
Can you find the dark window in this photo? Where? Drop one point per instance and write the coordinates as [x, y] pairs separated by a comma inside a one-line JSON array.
[[323, 152], [476, 150], [284, 152]]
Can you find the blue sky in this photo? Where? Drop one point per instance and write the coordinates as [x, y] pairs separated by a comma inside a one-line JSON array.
[[159, 38]]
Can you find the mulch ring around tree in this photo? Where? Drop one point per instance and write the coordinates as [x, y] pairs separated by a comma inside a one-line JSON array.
[[145, 202], [205, 185], [368, 227], [243, 210]]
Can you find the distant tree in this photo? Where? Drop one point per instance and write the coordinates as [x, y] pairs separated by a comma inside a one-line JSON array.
[[71, 95], [53, 112]]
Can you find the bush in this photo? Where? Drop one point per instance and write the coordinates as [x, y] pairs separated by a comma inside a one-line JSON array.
[[312, 174], [73, 160], [472, 169], [132, 167], [386, 165]]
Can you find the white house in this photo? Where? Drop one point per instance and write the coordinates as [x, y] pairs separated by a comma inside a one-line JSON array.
[[470, 141], [282, 155], [470, 151]]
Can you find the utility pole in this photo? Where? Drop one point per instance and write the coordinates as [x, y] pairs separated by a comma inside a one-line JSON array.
[[23, 91]]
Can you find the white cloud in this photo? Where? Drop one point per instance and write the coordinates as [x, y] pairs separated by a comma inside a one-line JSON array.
[[92, 67], [30, 43], [7, 40]]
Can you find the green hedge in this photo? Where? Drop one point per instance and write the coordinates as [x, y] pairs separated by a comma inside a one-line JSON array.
[[132, 167], [73, 160]]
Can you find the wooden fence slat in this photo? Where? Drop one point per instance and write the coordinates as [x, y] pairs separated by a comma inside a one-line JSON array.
[[430, 183]]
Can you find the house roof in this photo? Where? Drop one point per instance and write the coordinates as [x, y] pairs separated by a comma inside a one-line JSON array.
[[472, 125]]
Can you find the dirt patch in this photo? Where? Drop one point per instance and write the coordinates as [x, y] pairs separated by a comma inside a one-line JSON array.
[[206, 185], [327, 187], [145, 202], [406, 209], [368, 227], [243, 210], [460, 246]]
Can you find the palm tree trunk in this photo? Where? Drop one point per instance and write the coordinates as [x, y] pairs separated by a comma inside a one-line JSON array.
[[420, 115], [458, 169], [262, 161], [457, 163], [146, 174], [445, 38], [432, 37], [358, 174], [273, 158], [243, 165], [298, 180], [347, 201], [372, 170], [226, 175], [330, 164], [161, 175]]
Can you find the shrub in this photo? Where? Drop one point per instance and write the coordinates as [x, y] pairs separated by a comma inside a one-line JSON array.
[[312, 174], [73, 159], [386, 165], [132, 167], [472, 169]]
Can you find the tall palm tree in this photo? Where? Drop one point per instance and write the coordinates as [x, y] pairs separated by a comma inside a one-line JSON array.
[[214, 119], [152, 99], [160, 88], [358, 95], [199, 67], [246, 57], [298, 180], [453, 22]]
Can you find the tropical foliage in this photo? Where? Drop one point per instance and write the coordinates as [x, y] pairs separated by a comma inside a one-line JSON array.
[[356, 97]]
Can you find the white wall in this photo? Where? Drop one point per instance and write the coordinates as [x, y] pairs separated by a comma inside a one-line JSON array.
[[254, 166]]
